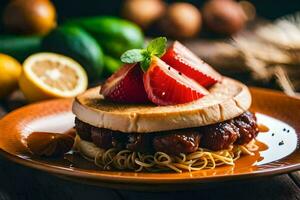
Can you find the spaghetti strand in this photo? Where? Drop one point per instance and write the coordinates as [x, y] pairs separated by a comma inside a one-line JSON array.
[[160, 161]]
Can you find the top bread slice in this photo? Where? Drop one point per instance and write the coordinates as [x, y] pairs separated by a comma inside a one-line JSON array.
[[226, 100]]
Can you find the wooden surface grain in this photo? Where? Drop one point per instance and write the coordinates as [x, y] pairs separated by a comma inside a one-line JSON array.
[[22, 183], [296, 178]]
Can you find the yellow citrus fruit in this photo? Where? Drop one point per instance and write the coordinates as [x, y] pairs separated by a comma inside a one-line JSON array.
[[10, 71], [50, 75]]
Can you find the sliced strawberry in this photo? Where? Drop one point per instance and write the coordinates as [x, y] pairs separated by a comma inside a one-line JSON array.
[[166, 86], [186, 62], [126, 85]]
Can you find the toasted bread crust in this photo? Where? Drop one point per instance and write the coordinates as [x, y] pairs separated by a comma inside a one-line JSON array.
[[226, 100]]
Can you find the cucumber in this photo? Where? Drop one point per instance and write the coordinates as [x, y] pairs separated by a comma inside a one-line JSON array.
[[111, 65], [115, 35], [19, 47], [76, 43]]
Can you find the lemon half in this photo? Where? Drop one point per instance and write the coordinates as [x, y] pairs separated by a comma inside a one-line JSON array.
[[50, 75]]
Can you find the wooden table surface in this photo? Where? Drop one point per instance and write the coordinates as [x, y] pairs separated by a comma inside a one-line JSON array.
[[18, 182]]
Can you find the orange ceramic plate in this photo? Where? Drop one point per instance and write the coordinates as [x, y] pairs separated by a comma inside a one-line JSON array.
[[277, 111]]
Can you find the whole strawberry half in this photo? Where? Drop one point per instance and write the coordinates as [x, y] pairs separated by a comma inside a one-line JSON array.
[[186, 62], [167, 86], [126, 85]]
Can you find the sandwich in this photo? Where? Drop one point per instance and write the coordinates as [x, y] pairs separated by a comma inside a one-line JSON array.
[[165, 109]]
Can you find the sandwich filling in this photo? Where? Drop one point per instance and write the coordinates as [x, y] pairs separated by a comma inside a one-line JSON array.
[[184, 149]]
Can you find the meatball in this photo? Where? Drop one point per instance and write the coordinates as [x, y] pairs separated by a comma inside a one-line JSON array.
[[219, 136], [83, 130], [105, 138], [240, 130], [140, 143], [175, 143], [247, 126]]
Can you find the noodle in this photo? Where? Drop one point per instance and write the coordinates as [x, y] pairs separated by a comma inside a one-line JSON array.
[[201, 159]]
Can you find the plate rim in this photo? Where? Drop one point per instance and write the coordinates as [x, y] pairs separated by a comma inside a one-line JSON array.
[[113, 178], [149, 180]]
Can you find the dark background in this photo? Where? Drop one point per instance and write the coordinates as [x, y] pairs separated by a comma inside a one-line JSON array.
[[269, 9]]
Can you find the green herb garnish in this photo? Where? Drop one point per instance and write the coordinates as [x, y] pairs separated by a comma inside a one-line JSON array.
[[156, 47]]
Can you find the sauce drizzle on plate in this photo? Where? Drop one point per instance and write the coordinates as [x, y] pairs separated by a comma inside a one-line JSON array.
[[263, 128], [50, 144]]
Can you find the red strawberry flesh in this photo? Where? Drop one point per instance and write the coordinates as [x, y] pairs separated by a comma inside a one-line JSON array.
[[125, 86], [186, 62], [166, 86]]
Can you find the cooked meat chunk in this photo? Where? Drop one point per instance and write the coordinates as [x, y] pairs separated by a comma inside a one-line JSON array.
[[105, 138], [101, 137], [140, 142], [240, 130], [83, 129], [247, 126], [175, 143], [218, 136]]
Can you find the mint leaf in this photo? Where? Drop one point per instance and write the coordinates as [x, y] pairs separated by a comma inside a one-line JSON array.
[[145, 63], [133, 56], [157, 47]]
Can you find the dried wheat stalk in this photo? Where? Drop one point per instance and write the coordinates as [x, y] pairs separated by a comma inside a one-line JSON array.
[[274, 50], [284, 80]]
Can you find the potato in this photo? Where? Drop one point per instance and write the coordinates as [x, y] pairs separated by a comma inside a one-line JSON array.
[[224, 16], [182, 20], [143, 12]]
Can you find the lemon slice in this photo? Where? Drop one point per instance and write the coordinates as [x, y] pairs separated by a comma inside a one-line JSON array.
[[50, 75]]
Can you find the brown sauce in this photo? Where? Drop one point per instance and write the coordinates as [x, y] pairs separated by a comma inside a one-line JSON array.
[[243, 164], [247, 162], [74, 159], [262, 146], [263, 128], [50, 144]]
